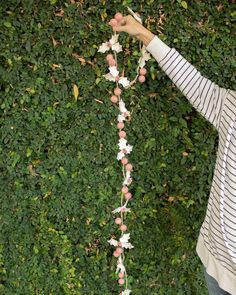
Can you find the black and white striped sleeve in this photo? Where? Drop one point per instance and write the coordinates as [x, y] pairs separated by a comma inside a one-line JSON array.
[[205, 96]]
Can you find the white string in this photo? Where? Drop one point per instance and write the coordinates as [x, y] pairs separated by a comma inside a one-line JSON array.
[[134, 15]]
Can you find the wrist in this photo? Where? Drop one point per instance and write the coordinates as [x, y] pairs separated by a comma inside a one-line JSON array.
[[145, 36]]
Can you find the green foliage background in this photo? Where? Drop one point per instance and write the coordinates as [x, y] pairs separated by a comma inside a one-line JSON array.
[[58, 171]]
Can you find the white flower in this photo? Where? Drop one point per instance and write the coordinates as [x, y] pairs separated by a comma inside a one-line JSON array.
[[129, 149], [121, 209], [109, 77], [126, 292], [104, 47], [128, 179], [113, 242], [145, 57], [125, 238], [120, 118], [124, 148], [111, 44], [122, 143], [122, 107], [120, 155], [113, 71], [120, 265], [125, 241], [115, 45], [113, 74], [124, 81]]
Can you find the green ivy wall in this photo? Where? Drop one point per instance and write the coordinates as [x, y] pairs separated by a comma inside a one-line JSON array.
[[59, 175]]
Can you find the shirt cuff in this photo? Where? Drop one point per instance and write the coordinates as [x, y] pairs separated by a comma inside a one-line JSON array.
[[158, 49]]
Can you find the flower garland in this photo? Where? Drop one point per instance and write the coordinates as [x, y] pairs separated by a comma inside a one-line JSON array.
[[124, 148]]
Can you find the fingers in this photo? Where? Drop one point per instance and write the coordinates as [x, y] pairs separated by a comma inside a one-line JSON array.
[[123, 21], [123, 25], [119, 29], [128, 24]]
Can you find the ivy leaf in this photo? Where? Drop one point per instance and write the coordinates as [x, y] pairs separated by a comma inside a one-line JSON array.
[[184, 4]]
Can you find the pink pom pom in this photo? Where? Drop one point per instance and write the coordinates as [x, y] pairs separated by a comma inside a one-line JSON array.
[[124, 161], [121, 275], [121, 281], [128, 196], [118, 16], [117, 91], [120, 125], [143, 71], [122, 134], [116, 254], [109, 57], [114, 99], [141, 78], [118, 220], [124, 190], [119, 250], [123, 227], [111, 62], [113, 22], [129, 167]]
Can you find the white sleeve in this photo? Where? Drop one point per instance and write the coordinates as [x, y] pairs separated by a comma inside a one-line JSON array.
[[205, 96]]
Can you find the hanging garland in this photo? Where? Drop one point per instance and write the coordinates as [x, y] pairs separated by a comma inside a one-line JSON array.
[[124, 148]]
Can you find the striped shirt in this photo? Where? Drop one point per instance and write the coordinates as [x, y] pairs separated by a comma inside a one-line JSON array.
[[216, 245]]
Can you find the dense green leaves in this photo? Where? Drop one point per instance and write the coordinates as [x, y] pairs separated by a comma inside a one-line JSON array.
[[58, 170]]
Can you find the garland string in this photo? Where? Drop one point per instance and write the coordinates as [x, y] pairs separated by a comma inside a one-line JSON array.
[[124, 148]]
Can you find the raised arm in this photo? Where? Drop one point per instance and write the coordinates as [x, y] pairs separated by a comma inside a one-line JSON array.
[[203, 94]]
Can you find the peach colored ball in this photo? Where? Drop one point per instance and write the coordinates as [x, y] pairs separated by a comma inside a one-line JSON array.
[[120, 125], [128, 196], [118, 220], [119, 250], [124, 161], [122, 134], [121, 281], [116, 254], [109, 57], [141, 78], [113, 22], [118, 16], [129, 167], [111, 62], [123, 227], [143, 71], [114, 99], [121, 275], [124, 190], [117, 91]]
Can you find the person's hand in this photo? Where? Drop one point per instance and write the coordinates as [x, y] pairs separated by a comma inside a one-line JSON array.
[[131, 26]]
